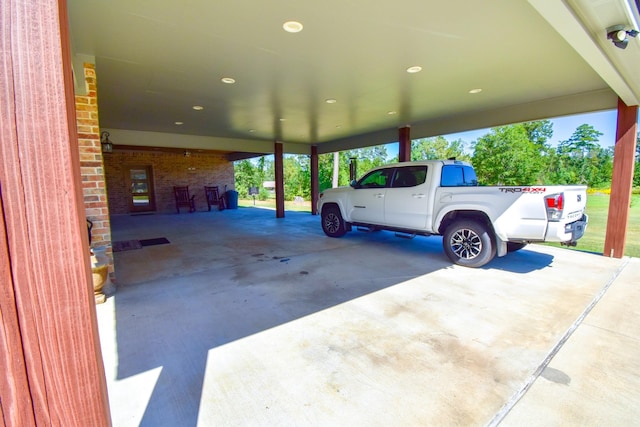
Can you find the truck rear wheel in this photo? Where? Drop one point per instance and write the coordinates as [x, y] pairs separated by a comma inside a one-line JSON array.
[[468, 243], [332, 222]]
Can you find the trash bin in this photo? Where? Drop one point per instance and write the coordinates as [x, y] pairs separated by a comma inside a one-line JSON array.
[[232, 199]]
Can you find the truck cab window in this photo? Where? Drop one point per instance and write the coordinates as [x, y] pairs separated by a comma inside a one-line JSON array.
[[458, 176], [376, 179], [409, 176]]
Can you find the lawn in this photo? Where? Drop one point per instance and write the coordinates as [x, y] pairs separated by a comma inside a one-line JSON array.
[[592, 241], [598, 210], [304, 206]]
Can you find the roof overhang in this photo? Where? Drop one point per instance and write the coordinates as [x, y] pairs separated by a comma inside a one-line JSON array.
[[533, 59]]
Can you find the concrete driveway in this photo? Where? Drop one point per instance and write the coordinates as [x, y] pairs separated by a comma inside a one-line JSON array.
[[245, 319]]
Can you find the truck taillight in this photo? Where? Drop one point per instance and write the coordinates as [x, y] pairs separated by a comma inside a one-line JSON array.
[[554, 204]]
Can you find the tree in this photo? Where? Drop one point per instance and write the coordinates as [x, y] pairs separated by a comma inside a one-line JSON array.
[[245, 176], [506, 156], [583, 160], [297, 177], [539, 132], [437, 148], [367, 158], [582, 142]]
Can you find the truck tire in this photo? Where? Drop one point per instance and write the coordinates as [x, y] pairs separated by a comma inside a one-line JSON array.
[[332, 222], [468, 243]]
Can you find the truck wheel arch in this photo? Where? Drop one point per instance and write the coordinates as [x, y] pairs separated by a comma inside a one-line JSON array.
[[477, 216]]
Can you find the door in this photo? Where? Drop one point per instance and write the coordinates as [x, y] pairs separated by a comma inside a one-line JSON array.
[[367, 199], [140, 181], [407, 202]]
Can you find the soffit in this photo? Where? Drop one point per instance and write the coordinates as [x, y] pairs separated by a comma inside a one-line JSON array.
[[156, 59]]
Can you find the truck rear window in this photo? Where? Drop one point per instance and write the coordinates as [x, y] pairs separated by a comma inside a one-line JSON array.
[[458, 176], [409, 176]]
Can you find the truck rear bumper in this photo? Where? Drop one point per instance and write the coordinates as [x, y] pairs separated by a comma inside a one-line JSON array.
[[567, 233]]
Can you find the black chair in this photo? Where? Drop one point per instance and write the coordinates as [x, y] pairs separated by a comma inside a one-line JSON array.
[[213, 197], [183, 198]]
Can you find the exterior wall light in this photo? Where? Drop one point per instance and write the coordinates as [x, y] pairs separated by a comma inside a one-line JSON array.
[[107, 145]]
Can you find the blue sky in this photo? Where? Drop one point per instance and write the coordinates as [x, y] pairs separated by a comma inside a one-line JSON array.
[[563, 128]]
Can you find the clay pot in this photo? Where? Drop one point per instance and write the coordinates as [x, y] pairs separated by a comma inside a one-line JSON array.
[[100, 274]]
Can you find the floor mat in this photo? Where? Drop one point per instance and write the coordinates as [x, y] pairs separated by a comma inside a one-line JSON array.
[[126, 245], [156, 241]]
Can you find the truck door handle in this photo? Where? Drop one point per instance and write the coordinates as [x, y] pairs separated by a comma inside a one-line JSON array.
[[418, 195], [378, 195]]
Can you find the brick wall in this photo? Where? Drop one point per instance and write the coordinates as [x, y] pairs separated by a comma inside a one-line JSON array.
[[168, 169], [91, 165]]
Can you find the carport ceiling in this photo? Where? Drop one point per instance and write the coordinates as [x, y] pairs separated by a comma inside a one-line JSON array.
[[156, 59]]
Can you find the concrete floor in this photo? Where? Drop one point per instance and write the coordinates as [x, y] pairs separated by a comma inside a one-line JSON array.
[[248, 320]]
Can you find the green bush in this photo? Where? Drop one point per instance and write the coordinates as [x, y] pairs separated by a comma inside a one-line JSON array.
[[263, 194]]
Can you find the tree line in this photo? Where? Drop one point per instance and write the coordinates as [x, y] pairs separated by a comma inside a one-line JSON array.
[[517, 154]]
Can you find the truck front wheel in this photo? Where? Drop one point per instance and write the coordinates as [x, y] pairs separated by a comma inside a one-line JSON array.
[[332, 222], [468, 243]]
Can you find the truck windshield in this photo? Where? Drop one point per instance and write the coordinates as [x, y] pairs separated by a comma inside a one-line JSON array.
[[458, 176]]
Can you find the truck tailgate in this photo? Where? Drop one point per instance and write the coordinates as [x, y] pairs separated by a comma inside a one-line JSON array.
[[575, 200]]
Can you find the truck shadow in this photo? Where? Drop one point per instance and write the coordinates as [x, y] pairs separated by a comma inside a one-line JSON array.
[[522, 261]]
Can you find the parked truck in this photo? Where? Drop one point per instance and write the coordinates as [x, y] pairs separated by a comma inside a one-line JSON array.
[[442, 197]]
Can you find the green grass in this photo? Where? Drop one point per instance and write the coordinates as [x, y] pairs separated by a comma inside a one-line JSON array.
[[271, 204], [598, 211], [592, 241]]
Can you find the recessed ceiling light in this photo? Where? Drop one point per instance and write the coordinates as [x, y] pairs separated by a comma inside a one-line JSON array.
[[330, 101], [178, 123], [228, 80], [414, 69], [478, 90], [391, 113], [198, 107], [283, 120], [292, 26]]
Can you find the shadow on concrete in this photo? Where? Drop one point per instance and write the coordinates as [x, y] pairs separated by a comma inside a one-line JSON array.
[[522, 261], [231, 274]]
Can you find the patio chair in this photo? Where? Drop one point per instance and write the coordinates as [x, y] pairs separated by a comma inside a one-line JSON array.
[[213, 197], [183, 198]]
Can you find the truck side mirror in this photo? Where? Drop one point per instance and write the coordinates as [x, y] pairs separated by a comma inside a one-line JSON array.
[[354, 183]]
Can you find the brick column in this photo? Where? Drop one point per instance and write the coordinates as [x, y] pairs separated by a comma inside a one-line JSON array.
[[92, 166]]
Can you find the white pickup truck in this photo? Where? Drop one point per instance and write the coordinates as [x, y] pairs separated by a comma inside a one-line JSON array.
[[442, 197]]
